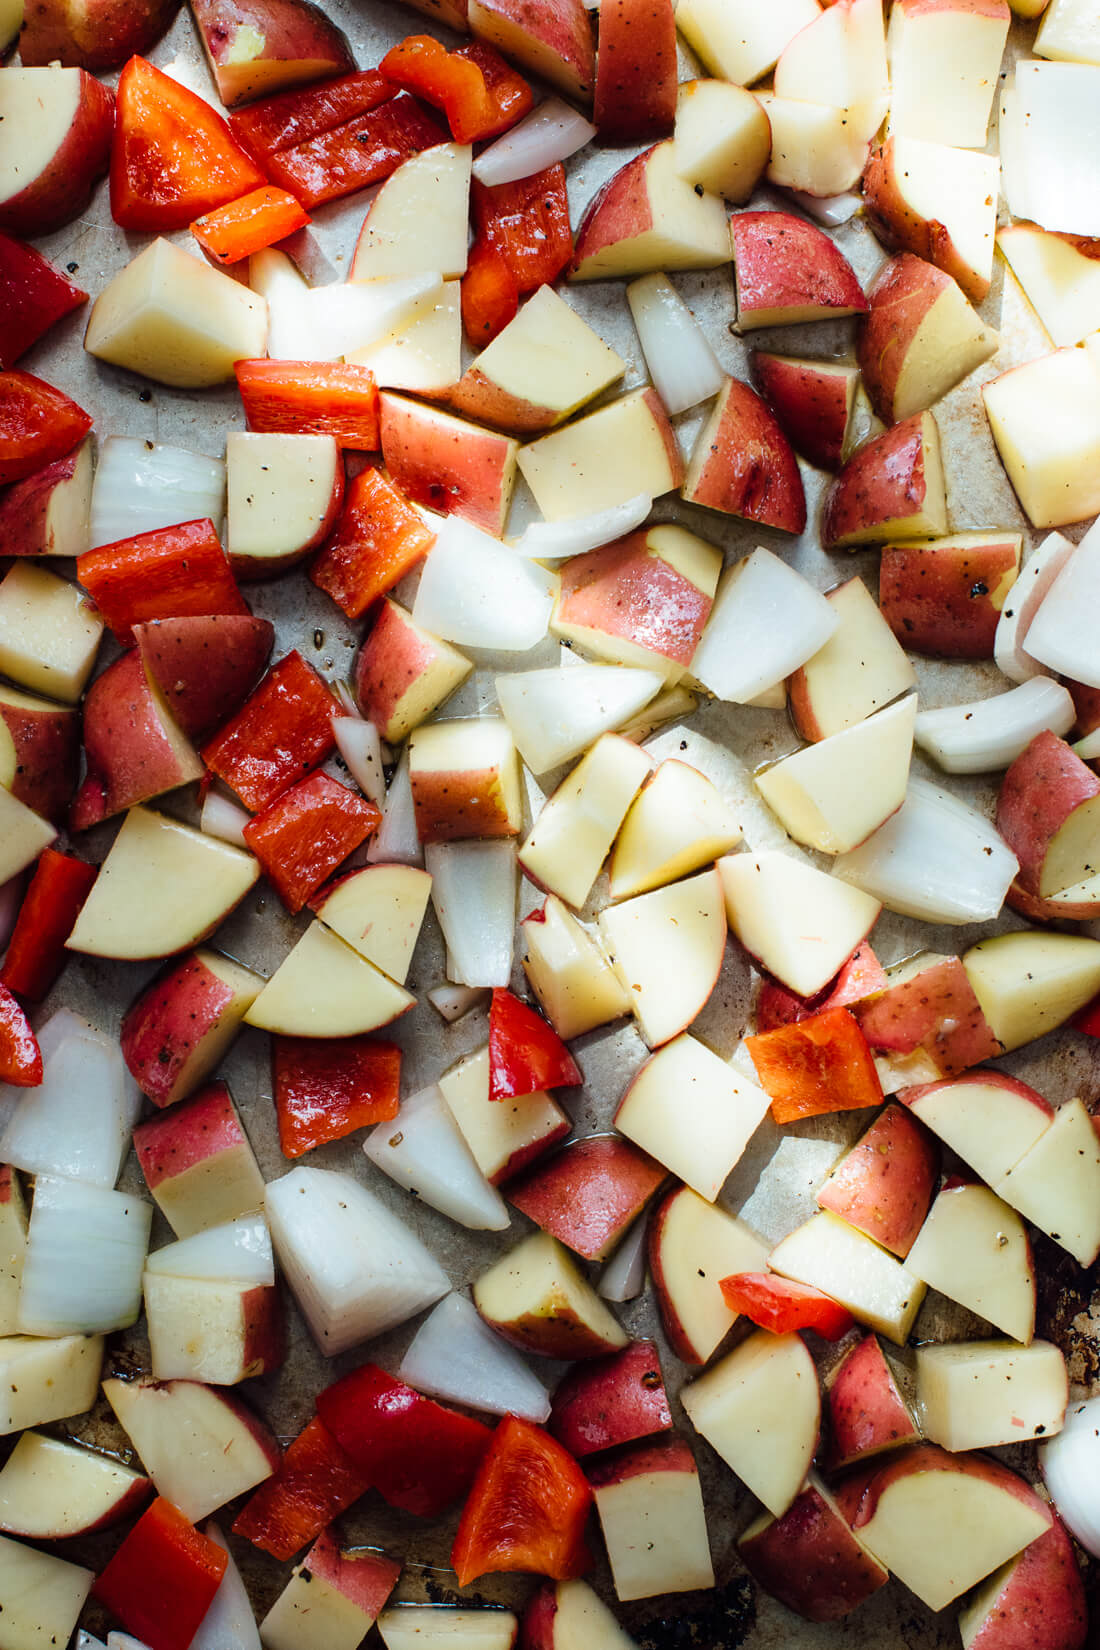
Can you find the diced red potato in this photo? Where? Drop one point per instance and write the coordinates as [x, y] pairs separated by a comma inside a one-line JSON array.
[[180, 1026], [946, 597], [860, 975], [39, 752], [867, 1413], [611, 1401], [928, 1003], [918, 339], [885, 1183], [588, 1194], [810, 1559], [788, 270], [134, 749], [813, 401], [743, 464], [1048, 811], [892, 488], [198, 1164]]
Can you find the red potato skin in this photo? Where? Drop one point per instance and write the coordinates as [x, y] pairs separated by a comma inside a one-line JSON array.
[[866, 1412], [811, 403], [620, 210], [1047, 782], [392, 659], [898, 299], [97, 35], [937, 1011], [1045, 910], [299, 44], [636, 71], [750, 469], [205, 667], [25, 507], [452, 804], [366, 1578], [669, 1454], [625, 590], [931, 1458], [783, 262], [47, 756], [811, 1562], [588, 1193], [263, 1332], [884, 1185], [476, 396], [1086, 702], [947, 600], [883, 481], [190, 1134], [62, 191], [675, 1333], [167, 1023], [560, 25], [130, 758], [1041, 1604], [454, 468], [611, 1401], [900, 229], [536, 1629], [861, 974]]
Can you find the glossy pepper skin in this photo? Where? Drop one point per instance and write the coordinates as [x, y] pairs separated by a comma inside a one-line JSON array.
[[525, 1052], [315, 1481], [311, 398], [478, 92], [378, 539], [36, 952], [326, 1088], [20, 1055], [281, 732], [37, 424], [526, 1509], [781, 1306], [419, 1455], [248, 224], [34, 294], [305, 834], [161, 1581], [528, 223], [173, 156], [814, 1066], [169, 573]]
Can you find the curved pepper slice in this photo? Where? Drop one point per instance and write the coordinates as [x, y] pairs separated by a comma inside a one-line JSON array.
[[36, 952], [37, 424], [174, 157], [777, 1304], [419, 1455], [479, 93], [526, 1510], [20, 1055], [525, 1053]]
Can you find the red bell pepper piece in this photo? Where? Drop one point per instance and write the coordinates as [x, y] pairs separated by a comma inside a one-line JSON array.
[[283, 729], [173, 156], [459, 83], [490, 294], [860, 975], [327, 1088], [20, 1055], [378, 538], [311, 398], [303, 835], [525, 1053], [419, 1455], [171, 573], [293, 117], [37, 424], [526, 1510], [33, 295], [1088, 1020], [36, 952], [777, 1304], [528, 223], [247, 225], [818, 1065], [314, 1482], [161, 1581], [327, 141]]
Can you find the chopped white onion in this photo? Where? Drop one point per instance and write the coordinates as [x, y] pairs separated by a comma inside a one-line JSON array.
[[830, 210], [1070, 1464], [140, 486], [474, 891], [396, 841], [451, 1002], [85, 1641], [455, 1355], [353, 1267], [1049, 135], [937, 859], [555, 714], [361, 747], [1088, 748], [424, 1151], [1062, 635], [991, 733], [681, 363], [623, 1278], [576, 535], [77, 1122], [84, 1259], [239, 1251], [1036, 576], [124, 1641], [230, 1622], [550, 133], [476, 592], [766, 621], [224, 819]]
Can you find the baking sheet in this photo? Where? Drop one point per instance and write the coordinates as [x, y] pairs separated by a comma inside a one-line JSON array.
[[773, 1184]]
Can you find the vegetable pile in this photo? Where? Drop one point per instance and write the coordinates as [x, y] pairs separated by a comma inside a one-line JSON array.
[[581, 579]]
